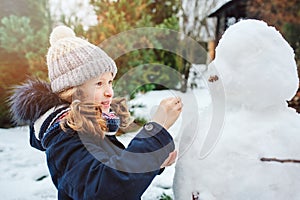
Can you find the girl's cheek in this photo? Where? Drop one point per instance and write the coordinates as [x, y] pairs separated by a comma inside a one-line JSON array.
[[98, 96], [112, 92]]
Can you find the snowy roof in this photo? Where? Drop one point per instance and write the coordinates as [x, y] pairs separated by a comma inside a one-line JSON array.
[[232, 8], [219, 6]]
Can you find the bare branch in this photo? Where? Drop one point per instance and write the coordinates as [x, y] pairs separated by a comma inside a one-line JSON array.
[[279, 160]]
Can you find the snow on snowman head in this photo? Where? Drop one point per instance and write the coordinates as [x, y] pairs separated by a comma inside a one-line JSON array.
[[256, 64]]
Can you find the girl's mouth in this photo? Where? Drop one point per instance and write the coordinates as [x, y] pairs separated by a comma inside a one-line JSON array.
[[105, 104]]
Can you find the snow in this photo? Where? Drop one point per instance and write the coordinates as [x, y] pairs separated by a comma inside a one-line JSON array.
[[258, 71], [21, 166]]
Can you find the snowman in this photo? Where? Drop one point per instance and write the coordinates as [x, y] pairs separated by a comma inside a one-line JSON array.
[[257, 155]]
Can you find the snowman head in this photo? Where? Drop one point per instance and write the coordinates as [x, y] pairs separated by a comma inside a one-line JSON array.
[[256, 64]]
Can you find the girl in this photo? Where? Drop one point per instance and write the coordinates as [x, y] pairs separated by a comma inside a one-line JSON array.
[[72, 121]]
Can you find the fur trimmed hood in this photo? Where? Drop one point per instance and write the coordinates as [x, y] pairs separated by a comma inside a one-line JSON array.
[[31, 100]]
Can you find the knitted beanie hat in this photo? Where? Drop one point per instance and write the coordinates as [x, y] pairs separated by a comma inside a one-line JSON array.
[[71, 60]]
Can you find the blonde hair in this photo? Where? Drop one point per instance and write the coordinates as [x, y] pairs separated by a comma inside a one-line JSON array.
[[86, 117]]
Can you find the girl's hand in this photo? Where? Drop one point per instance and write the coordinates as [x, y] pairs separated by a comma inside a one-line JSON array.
[[170, 160], [168, 112]]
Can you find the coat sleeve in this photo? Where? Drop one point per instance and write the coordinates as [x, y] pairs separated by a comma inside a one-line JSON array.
[[84, 169]]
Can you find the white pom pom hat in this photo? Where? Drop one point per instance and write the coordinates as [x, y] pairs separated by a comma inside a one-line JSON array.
[[71, 60]]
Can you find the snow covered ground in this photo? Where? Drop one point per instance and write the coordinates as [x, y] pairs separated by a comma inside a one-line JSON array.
[[22, 167]]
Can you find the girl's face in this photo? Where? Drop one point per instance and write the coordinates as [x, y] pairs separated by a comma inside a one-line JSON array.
[[99, 90]]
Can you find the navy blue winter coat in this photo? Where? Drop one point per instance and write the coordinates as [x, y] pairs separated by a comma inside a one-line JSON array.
[[86, 167]]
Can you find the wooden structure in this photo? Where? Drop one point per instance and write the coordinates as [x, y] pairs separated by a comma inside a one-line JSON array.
[[228, 14]]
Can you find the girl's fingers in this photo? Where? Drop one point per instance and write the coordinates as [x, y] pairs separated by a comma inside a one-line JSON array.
[[173, 157], [170, 160], [178, 105], [177, 100]]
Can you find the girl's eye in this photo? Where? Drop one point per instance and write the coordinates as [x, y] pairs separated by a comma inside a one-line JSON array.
[[99, 84]]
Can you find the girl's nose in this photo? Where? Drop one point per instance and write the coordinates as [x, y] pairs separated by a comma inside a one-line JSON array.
[[108, 92]]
